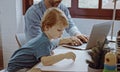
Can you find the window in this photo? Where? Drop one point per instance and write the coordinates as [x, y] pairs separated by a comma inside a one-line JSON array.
[[109, 4], [88, 4], [93, 9], [67, 3], [36, 1], [100, 9]]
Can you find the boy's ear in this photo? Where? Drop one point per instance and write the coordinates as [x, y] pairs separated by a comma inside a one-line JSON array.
[[46, 28]]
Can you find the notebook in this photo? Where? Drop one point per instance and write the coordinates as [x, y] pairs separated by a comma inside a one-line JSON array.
[[98, 33]]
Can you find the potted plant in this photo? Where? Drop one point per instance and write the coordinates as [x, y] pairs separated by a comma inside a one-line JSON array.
[[97, 54]]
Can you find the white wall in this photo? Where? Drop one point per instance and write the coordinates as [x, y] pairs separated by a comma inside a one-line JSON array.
[[12, 22], [85, 25], [20, 19], [8, 28]]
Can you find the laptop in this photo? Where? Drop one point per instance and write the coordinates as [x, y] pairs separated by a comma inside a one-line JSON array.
[[99, 33]]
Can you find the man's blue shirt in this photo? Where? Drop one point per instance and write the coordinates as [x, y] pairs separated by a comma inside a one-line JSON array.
[[33, 18]]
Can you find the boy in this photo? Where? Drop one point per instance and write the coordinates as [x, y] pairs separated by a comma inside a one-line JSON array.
[[39, 49]]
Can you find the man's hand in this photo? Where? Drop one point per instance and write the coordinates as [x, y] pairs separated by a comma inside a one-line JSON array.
[[79, 40], [74, 40], [83, 38]]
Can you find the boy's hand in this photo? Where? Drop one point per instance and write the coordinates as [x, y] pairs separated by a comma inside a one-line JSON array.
[[70, 55]]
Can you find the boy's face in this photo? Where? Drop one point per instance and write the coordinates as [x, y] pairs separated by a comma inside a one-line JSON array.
[[54, 3], [55, 31]]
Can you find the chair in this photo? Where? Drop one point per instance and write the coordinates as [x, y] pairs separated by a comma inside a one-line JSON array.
[[3, 70], [20, 38]]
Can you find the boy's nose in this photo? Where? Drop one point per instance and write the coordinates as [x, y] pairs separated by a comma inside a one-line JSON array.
[[61, 32]]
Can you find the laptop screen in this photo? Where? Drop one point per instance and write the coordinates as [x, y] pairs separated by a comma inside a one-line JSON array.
[[99, 33]]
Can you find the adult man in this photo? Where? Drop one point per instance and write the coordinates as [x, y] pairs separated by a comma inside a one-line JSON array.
[[33, 18]]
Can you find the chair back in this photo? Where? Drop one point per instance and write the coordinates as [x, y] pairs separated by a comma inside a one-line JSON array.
[[20, 38]]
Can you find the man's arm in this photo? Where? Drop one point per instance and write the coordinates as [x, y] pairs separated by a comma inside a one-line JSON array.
[[32, 24], [72, 30]]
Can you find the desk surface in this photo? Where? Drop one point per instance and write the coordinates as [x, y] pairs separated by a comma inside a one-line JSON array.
[[67, 64], [79, 65]]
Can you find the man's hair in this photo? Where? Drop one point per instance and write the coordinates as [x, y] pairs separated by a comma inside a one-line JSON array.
[[52, 16]]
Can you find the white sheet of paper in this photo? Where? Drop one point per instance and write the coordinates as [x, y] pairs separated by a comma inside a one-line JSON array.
[[68, 64]]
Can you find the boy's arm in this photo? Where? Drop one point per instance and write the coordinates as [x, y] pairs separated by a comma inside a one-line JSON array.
[[50, 60]]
